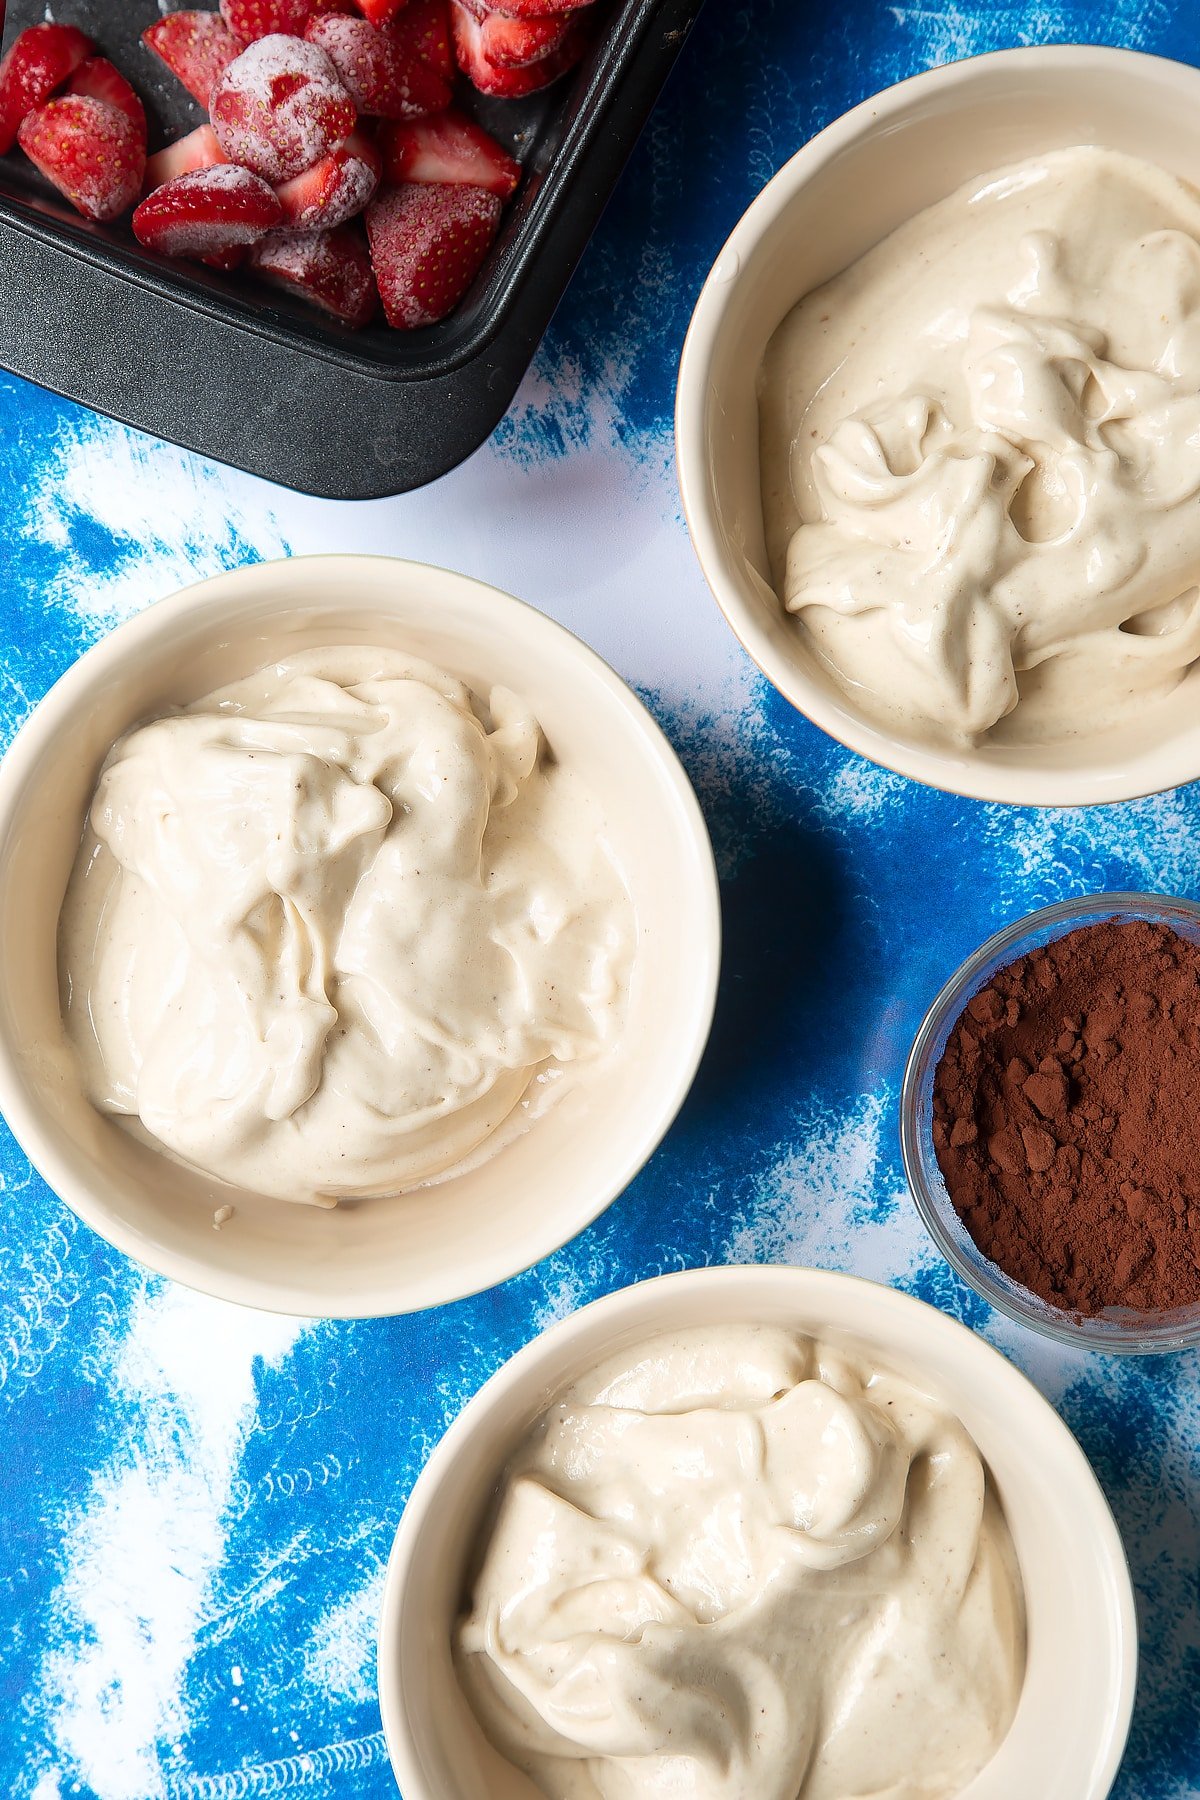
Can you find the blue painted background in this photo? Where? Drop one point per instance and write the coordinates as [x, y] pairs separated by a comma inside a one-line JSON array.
[[198, 1502]]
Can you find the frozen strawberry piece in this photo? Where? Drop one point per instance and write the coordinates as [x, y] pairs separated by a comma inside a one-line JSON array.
[[196, 46], [198, 150], [517, 43], [449, 148], [427, 244], [382, 78], [537, 9], [91, 152], [39, 61], [335, 189], [424, 29], [280, 107], [380, 12], [510, 81], [207, 212], [330, 268], [101, 81], [252, 19]]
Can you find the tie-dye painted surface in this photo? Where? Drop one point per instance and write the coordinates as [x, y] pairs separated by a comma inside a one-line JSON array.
[[198, 1501]]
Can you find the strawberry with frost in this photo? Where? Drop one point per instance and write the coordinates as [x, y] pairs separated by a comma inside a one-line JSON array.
[[510, 79], [198, 150], [91, 151], [330, 268], [207, 213], [424, 29], [101, 81], [427, 245], [39, 61], [251, 19], [197, 47], [335, 189], [384, 79], [449, 148], [280, 107]]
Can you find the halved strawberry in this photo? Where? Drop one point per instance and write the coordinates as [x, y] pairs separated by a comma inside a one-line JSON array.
[[198, 150], [196, 46], [383, 79], [280, 107], [92, 153], [507, 80], [252, 19], [330, 268], [427, 244], [517, 43], [101, 81], [449, 148], [207, 212], [380, 12], [38, 61], [424, 28], [334, 189]]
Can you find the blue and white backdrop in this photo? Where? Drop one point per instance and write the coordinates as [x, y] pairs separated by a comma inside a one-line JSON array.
[[197, 1502]]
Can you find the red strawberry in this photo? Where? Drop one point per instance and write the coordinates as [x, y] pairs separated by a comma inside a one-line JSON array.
[[39, 61], [330, 268], [251, 19], [516, 43], [280, 107], [100, 81], [427, 244], [506, 80], [380, 12], [449, 148], [536, 9], [91, 152], [206, 213], [196, 47], [424, 28], [198, 150], [334, 189], [381, 78]]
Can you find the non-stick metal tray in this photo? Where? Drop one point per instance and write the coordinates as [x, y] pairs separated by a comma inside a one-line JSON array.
[[243, 373]]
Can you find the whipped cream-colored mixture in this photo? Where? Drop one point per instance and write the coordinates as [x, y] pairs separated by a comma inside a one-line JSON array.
[[333, 924], [981, 454], [741, 1564]]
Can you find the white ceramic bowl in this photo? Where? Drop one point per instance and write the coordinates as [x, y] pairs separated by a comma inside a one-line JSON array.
[[465, 1232], [1073, 1716], [854, 183]]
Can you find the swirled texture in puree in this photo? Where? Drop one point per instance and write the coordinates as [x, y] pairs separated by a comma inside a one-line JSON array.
[[738, 1564], [981, 454], [328, 924]]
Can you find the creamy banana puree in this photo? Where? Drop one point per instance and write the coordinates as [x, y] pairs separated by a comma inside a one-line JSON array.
[[331, 925], [742, 1564], [981, 454]]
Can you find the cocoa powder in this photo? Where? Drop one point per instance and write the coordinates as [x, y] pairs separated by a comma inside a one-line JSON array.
[[1066, 1118]]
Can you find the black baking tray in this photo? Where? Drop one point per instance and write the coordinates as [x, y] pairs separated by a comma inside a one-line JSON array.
[[242, 372]]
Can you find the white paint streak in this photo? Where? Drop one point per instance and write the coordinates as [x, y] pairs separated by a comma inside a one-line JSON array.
[[160, 518], [139, 1555], [340, 1659]]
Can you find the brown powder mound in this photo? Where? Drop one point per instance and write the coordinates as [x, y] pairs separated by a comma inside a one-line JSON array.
[[1066, 1119]]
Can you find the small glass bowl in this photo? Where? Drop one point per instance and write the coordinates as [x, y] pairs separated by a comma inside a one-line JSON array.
[[1118, 1329]]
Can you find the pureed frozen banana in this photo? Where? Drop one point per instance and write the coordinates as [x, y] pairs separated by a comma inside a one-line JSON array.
[[331, 926], [981, 454], [740, 1564]]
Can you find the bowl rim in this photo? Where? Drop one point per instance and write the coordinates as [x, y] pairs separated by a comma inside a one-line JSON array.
[[535, 1372], [1006, 1295], [153, 625], [943, 769]]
